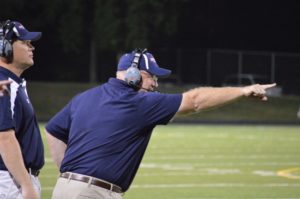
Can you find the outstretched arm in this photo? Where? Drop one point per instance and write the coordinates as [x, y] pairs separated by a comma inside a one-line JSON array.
[[199, 99]]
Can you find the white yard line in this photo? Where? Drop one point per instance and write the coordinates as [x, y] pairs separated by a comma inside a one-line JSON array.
[[200, 157], [212, 185], [151, 165]]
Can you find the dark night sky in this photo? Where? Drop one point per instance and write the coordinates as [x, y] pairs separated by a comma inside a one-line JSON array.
[[251, 25]]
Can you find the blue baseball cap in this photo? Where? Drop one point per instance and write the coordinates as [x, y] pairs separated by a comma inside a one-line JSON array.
[[21, 33], [147, 63]]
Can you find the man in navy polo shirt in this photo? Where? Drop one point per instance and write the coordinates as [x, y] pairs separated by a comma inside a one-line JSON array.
[[99, 138], [21, 147]]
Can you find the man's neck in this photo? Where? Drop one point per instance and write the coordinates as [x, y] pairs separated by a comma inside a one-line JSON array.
[[11, 67], [120, 75]]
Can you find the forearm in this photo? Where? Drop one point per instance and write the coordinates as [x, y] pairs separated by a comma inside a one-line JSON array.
[[199, 99], [204, 98], [57, 148], [12, 157]]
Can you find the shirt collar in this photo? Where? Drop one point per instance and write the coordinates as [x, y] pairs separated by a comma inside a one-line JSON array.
[[119, 83], [10, 74]]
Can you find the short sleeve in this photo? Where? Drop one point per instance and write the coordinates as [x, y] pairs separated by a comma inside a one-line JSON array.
[[6, 114], [59, 125], [6, 120], [160, 108]]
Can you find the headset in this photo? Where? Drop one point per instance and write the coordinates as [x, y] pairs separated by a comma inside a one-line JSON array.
[[7, 29], [133, 75]]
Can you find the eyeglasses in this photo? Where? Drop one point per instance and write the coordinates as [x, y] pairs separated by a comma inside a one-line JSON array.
[[153, 77]]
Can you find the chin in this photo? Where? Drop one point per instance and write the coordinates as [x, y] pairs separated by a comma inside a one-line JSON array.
[[30, 63], [27, 65]]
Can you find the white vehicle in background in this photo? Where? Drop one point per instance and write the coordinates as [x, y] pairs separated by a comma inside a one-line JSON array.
[[248, 79]]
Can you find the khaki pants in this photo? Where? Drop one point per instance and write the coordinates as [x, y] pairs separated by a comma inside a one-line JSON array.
[[72, 189]]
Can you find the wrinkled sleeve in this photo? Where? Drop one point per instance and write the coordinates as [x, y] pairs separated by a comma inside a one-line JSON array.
[[6, 114], [6, 120], [161, 108], [59, 125]]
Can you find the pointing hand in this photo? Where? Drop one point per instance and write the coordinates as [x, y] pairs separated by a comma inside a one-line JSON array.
[[257, 90]]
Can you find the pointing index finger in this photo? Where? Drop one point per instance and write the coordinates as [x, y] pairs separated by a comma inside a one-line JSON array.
[[265, 86]]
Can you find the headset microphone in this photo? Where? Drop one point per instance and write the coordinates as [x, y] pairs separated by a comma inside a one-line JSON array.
[[148, 90]]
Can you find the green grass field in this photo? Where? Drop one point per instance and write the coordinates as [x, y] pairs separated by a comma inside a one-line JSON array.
[[209, 162]]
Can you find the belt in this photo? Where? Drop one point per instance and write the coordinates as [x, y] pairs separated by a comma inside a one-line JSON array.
[[33, 172], [93, 181], [30, 171]]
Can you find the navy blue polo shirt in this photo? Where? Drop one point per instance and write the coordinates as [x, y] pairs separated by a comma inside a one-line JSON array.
[[107, 129], [16, 112]]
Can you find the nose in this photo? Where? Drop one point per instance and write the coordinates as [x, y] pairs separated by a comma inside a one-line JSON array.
[[155, 84], [32, 47]]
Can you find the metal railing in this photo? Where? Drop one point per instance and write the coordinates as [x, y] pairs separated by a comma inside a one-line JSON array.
[[211, 66]]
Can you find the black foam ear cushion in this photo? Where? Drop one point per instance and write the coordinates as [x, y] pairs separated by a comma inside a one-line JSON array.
[[2, 45], [6, 45], [5, 48]]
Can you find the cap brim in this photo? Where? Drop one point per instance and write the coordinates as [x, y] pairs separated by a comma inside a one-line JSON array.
[[32, 36], [160, 72]]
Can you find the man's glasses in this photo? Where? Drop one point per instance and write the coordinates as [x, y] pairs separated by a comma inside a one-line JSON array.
[[153, 77]]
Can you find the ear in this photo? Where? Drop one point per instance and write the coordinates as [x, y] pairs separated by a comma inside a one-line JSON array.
[[141, 82]]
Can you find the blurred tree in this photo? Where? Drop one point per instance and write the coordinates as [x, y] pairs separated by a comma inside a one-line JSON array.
[[101, 25], [67, 18], [113, 25], [149, 20]]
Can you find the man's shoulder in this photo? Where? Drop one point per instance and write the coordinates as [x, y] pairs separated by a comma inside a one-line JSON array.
[[3, 76], [86, 93], [157, 96], [91, 90]]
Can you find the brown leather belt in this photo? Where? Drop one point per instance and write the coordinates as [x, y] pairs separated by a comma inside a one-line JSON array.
[[93, 181]]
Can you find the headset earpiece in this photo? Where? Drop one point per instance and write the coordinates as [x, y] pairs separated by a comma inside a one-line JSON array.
[[133, 75], [6, 49]]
